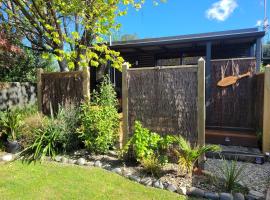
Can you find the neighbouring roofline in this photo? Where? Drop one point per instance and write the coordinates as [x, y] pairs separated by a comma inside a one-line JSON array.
[[201, 37]]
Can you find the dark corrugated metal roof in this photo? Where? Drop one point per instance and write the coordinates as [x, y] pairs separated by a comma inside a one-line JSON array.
[[240, 33]]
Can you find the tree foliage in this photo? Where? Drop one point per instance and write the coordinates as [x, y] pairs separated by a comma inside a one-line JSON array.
[[72, 30]]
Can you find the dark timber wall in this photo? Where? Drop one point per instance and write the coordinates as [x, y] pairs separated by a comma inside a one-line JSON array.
[[231, 106], [164, 100]]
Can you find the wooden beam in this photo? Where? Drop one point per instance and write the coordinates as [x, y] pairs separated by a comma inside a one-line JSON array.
[[201, 105], [125, 104], [208, 70], [86, 84], [266, 111], [258, 54]]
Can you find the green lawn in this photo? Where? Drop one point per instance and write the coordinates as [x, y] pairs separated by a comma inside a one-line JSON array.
[[54, 181]]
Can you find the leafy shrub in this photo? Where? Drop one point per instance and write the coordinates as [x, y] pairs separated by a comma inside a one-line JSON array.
[[188, 156], [147, 145], [232, 174], [27, 134], [10, 123], [100, 120]]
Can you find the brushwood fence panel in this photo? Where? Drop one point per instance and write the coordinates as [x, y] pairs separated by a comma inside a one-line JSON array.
[[164, 100], [62, 89], [231, 106], [15, 94]]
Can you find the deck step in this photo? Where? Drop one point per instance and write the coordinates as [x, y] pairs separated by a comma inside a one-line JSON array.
[[229, 137], [239, 156]]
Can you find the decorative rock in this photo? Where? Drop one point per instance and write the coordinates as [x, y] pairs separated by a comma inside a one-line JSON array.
[[238, 196], [196, 192], [64, 160], [90, 163], [7, 157], [158, 184], [171, 188], [147, 181], [98, 164], [126, 172], [80, 152], [107, 167], [135, 178], [112, 153], [81, 161], [225, 196], [182, 190], [117, 170], [72, 161], [255, 195], [58, 158], [211, 195]]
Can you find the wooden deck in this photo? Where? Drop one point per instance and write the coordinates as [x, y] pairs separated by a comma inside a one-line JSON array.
[[230, 137]]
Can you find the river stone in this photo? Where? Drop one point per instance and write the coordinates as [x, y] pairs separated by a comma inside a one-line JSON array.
[[158, 184], [81, 161], [90, 163], [171, 188], [72, 161], [7, 157], [196, 192], [147, 181], [117, 170], [182, 190], [135, 178], [64, 160], [255, 195], [112, 153], [225, 196], [126, 172], [211, 195], [98, 164], [238, 196], [107, 167], [58, 158]]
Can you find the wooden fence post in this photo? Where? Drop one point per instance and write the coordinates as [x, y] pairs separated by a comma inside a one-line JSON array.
[[201, 105], [125, 104], [266, 111], [86, 83], [39, 89]]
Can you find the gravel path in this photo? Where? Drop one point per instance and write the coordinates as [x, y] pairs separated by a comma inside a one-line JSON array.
[[255, 177]]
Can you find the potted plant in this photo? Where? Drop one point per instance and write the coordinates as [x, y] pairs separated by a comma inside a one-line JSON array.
[[10, 124]]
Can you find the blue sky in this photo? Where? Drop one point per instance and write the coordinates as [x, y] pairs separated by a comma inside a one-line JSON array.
[[177, 17]]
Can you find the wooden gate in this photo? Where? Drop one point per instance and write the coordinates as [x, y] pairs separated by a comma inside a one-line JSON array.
[[232, 106]]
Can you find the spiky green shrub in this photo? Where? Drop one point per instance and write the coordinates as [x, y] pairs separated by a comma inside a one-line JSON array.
[[231, 173], [188, 155]]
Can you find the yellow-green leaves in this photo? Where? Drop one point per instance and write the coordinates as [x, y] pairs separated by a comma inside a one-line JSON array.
[[75, 35]]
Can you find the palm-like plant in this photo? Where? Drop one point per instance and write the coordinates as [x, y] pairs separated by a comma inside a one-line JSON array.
[[188, 156]]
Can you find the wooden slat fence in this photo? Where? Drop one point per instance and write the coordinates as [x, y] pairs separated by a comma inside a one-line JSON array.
[[233, 106]]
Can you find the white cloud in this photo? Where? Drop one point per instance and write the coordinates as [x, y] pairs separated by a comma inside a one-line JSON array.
[[221, 10], [259, 23]]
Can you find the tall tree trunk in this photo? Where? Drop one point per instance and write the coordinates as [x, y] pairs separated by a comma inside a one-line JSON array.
[[63, 65]]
